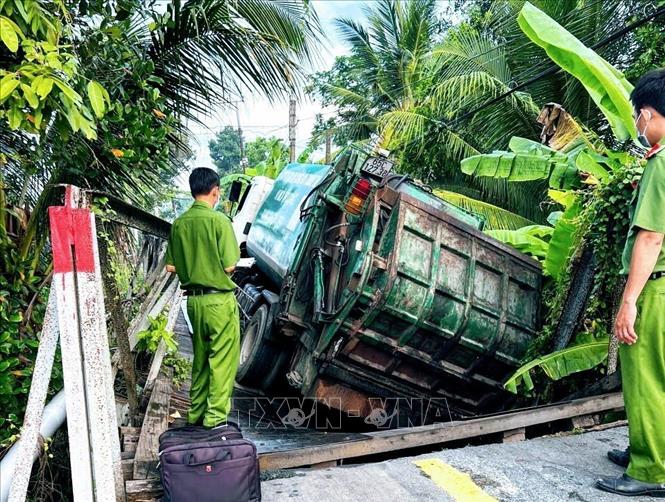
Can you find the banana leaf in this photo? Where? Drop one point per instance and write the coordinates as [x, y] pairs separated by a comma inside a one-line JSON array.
[[564, 176], [518, 144], [562, 242], [520, 166], [561, 363], [522, 241], [586, 162], [540, 231], [509, 165], [564, 197], [607, 87]]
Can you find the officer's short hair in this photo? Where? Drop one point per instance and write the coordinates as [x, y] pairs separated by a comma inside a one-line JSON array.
[[650, 91], [203, 180]]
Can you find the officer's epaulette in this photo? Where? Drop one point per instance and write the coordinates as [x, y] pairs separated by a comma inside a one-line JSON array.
[[655, 149]]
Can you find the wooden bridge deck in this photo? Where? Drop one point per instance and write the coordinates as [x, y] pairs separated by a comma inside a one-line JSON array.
[[283, 446], [168, 407]]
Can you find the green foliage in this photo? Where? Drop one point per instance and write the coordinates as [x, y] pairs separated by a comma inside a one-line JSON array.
[[607, 86], [650, 51], [275, 159], [528, 161], [560, 364], [605, 222], [149, 339], [225, 150], [182, 368], [532, 240], [22, 309], [263, 150], [43, 81], [562, 242], [496, 218], [11, 430]]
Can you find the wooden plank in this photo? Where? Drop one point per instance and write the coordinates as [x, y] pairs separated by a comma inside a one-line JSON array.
[[127, 468], [143, 490], [158, 357], [154, 423], [514, 435], [399, 439]]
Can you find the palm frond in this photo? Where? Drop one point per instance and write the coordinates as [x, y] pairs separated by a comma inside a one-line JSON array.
[[210, 51], [496, 218]]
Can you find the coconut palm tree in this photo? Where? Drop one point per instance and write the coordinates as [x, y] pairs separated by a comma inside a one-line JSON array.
[[430, 105]]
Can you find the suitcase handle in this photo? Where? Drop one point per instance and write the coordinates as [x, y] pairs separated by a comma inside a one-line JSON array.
[[222, 455]]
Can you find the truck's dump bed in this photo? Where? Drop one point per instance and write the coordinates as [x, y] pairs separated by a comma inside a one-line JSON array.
[[441, 310]]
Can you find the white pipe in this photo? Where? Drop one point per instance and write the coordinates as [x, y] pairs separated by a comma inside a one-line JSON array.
[[53, 418]]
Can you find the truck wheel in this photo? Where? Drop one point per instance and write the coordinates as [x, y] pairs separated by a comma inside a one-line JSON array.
[[258, 357]]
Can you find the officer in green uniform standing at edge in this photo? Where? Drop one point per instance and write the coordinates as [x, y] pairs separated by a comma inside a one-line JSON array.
[[640, 323], [203, 251]]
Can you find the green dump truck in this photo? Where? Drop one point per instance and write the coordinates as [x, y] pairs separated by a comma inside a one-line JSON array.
[[361, 284]]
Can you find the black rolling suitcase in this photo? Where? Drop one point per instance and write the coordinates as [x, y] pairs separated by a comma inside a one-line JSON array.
[[208, 465]]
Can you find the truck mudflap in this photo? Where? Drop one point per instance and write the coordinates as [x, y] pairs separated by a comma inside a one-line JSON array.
[[440, 310]]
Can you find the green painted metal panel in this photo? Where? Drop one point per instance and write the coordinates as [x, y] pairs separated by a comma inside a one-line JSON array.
[[274, 234], [442, 310]]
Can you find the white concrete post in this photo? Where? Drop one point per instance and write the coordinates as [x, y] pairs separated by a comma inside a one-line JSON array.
[[86, 361]]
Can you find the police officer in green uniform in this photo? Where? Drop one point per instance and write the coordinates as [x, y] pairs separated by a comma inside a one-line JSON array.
[[203, 251], [640, 323]]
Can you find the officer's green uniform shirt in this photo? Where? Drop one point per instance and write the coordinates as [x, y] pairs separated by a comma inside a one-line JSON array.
[[201, 245], [647, 209]]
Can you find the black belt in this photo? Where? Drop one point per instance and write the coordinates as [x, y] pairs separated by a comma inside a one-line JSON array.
[[204, 291], [656, 275]]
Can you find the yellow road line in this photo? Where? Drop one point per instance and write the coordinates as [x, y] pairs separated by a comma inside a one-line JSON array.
[[457, 484]]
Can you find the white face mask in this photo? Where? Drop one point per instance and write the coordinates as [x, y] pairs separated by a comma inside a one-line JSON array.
[[641, 134]]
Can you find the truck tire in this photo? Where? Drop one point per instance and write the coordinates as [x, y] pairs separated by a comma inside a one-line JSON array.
[[259, 358]]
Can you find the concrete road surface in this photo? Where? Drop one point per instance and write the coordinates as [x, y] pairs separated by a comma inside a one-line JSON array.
[[545, 469]]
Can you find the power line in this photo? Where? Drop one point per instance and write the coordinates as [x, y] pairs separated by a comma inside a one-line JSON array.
[[556, 69]]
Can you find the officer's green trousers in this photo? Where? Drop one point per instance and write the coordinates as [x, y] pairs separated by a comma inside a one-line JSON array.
[[643, 379], [216, 341]]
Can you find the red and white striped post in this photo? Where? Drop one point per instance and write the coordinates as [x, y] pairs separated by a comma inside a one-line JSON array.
[[90, 400]]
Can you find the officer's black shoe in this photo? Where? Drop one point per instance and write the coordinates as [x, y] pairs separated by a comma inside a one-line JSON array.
[[620, 457], [625, 485]]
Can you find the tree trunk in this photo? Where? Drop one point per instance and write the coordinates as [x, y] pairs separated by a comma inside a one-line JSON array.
[[581, 285], [613, 351]]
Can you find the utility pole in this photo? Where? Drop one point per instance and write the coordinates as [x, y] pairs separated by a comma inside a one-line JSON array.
[[292, 129], [328, 144], [242, 145]]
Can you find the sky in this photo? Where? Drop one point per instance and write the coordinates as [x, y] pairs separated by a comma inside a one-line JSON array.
[[259, 117]]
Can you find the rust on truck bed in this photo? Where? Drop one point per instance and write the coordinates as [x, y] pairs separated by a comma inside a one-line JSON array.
[[451, 316]]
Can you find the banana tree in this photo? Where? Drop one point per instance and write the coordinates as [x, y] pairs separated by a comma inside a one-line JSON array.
[[567, 170], [273, 165]]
